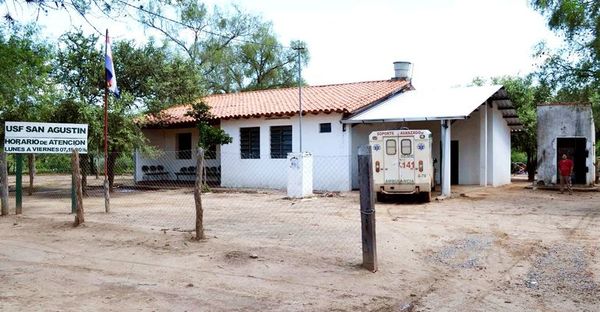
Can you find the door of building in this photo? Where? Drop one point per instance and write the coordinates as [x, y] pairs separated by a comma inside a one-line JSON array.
[[574, 148], [454, 162]]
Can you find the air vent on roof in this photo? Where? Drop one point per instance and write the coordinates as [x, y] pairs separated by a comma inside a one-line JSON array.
[[402, 70]]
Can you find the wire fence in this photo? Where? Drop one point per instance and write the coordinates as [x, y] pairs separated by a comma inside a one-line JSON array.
[[244, 200]]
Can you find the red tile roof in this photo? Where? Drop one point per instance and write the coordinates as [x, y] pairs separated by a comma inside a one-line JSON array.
[[341, 98]]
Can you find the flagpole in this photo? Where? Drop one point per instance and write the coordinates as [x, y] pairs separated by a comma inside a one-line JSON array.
[[106, 184]]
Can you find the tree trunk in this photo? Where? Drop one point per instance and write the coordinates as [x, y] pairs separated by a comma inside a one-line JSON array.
[[531, 165], [78, 192], [84, 162], [198, 195], [112, 160], [31, 163], [4, 181]]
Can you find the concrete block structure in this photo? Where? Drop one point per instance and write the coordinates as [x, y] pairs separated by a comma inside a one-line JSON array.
[[565, 128]]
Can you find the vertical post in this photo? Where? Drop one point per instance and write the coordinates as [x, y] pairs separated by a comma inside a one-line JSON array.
[[106, 184], [299, 49], [76, 176], [31, 163], [198, 194], [300, 96], [4, 182], [367, 208], [483, 142], [106, 196], [446, 158], [19, 184], [73, 195]]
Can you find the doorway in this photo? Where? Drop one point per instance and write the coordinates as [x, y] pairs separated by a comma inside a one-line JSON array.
[[574, 148], [454, 162]]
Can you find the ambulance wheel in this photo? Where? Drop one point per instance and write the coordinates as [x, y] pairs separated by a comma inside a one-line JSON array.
[[425, 196]]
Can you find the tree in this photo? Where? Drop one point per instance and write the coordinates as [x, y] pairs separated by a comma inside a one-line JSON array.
[[233, 51], [525, 96], [268, 65], [78, 69], [155, 76], [83, 8], [26, 88], [27, 92], [578, 21], [573, 70], [148, 77]]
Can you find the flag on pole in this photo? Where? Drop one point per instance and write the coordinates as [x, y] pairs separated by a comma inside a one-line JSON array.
[[111, 79]]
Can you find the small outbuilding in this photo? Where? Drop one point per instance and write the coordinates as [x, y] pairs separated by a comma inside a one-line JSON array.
[[565, 128]]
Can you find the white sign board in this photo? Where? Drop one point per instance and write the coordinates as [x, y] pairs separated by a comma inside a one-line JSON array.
[[44, 138]]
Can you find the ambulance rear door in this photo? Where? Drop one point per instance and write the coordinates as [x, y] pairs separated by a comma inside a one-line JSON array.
[[390, 160], [406, 163]]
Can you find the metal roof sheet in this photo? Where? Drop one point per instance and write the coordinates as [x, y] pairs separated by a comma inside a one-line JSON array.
[[453, 103]]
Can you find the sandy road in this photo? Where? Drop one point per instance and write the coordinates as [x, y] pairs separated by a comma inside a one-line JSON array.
[[503, 249]]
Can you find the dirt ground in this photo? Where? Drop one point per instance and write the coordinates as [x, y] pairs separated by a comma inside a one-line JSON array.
[[489, 249]]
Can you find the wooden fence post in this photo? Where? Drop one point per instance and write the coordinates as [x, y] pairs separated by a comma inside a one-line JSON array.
[[31, 164], [198, 194], [4, 182], [367, 208], [78, 192], [106, 196], [19, 183]]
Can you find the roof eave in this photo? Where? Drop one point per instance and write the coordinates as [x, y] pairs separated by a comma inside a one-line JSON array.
[[348, 121]]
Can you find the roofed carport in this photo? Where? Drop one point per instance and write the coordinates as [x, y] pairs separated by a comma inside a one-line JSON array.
[[443, 105]]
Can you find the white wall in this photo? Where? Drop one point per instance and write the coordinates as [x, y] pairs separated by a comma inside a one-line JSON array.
[[467, 132], [335, 153], [165, 142], [501, 149], [331, 170]]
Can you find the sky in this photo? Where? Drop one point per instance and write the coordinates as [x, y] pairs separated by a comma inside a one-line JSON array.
[[449, 42]]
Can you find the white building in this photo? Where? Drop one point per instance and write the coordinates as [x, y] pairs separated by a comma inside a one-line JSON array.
[[336, 120]]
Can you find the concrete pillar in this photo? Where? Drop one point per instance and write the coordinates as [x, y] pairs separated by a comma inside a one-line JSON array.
[[300, 175], [446, 137], [490, 145], [483, 145]]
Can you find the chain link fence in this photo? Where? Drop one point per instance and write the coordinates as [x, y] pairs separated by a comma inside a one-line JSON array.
[[244, 200]]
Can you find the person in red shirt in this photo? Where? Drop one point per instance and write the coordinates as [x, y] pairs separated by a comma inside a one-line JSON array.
[[565, 168]]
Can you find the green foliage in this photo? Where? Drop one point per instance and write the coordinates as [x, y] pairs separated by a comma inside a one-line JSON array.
[[525, 97], [124, 164], [516, 156], [53, 163], [231, 50], [26, 88], [577, 20], [573, 70], [154, 76]]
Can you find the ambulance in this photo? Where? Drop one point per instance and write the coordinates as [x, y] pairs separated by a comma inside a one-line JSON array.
[[402, 163]]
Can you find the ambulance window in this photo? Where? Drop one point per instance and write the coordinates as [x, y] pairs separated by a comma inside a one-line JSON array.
[[390, 147], [405, 147]]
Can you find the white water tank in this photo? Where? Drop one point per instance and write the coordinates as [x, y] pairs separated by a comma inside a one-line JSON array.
[[403, 70]]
